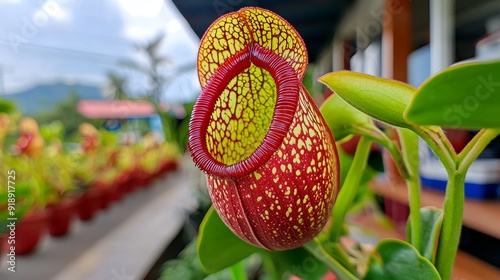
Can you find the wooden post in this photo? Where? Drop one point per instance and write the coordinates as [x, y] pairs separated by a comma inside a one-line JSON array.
[[396, 39], [396, 46]]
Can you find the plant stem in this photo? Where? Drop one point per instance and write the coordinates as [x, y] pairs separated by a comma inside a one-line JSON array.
[[316, 249], [238, 271], [475, 147], [380, 137], [349, 189], [452, 224], [454, 202], [409, 145], [440, 145]]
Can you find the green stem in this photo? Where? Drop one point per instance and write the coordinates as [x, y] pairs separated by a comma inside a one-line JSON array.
[[452, 224], [375, 134], [316, 249], [475, 147], [409, 145], [349, 189], [454, 201], [440, 145], [238, 271]]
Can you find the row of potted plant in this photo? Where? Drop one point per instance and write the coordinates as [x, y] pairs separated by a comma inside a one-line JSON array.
[[48, 185]]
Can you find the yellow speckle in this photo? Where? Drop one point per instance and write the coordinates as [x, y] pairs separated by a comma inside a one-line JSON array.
[[310, 209], [268, 193], [297, 172], [296, 131], [259, 198], [257, 175], [305, 198], [298, 201]]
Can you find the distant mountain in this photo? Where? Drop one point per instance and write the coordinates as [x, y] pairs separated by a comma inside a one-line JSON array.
[[45, 97]]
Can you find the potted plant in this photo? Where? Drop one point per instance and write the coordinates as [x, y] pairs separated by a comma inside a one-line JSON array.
[[57, 170], [30, 200], [90, 198], [273, 168]]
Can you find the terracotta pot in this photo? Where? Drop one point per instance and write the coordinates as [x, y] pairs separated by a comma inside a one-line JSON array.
[[126, 182], [28, 233], [2, 240], [143, 181], [167, 166], [60, 216], [116, 193], [105, 199], [138, 181], [88, 204], [118, 188], [103, 189]]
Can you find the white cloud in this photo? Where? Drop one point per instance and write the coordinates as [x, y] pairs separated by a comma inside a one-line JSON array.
[[141, 8], [55, 9]]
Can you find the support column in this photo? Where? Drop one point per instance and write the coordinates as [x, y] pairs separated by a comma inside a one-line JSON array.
[[442, 29], [396, 39]]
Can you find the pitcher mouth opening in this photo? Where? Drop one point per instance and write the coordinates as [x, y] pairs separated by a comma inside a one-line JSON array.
[[287, 88]]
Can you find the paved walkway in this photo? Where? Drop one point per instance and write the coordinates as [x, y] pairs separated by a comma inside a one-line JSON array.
[[121, 243]]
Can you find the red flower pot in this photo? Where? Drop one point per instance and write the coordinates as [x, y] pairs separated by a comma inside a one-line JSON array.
[[116, 193], [88, 204], [28, 232], [126, 182], [118, 188], [59, 217], [2, 238], [106, 198], [143, 180]]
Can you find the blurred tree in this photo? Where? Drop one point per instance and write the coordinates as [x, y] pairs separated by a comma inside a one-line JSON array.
[[67, 113], [158, 75], [7, 106], [155, 62], [116, 87], [153, 66]]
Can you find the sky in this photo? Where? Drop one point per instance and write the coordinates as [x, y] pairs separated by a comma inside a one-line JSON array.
[[78, 41]]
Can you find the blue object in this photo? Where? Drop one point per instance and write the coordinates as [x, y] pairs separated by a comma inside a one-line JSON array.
[[476, 191]]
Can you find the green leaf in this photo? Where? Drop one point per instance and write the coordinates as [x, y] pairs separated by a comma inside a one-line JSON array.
[[383, 99], [298, 262], [218, 246], [398, 260], [431, 219], [465, 95], [342, 118]]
